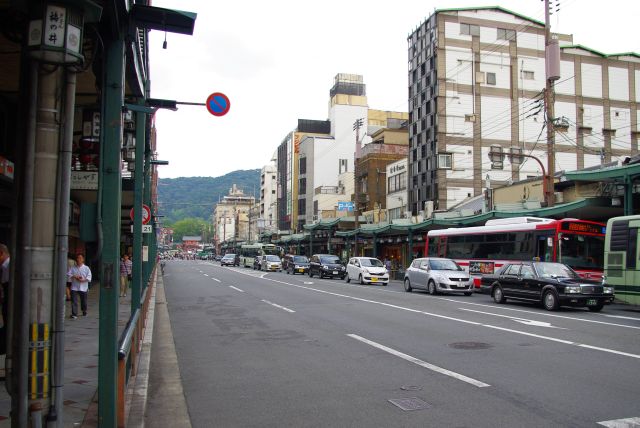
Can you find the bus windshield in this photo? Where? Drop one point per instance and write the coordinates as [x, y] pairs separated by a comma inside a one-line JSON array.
[[268, 249], [581, 251]]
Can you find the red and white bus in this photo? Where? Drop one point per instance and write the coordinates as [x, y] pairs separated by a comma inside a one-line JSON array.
[[485, 249]]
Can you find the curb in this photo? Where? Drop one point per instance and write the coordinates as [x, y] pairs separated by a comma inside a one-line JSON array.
[[137, 392]]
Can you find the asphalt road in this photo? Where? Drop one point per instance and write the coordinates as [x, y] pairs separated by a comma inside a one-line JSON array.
[[258, 349]]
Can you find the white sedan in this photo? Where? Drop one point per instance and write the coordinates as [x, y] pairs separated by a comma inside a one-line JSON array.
[[367, 270]]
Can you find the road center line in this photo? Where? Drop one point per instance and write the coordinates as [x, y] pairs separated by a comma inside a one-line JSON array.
[[236, 288], [216, 279], [536, 313], [421, 363], [431, 314], [621, 423], [511, 317], [279, 307]]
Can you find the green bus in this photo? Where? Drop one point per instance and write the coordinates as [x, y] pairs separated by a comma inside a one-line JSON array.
[[248, 252], [622, 257]]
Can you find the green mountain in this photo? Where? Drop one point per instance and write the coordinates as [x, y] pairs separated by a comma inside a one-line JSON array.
[[183, 197]]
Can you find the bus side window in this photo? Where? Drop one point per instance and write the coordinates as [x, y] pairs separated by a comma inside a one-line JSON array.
[[442, 246], [542, 250]]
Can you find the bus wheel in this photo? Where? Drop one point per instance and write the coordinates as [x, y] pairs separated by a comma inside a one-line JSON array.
[[498, 295], [597, 308], [550, 301]]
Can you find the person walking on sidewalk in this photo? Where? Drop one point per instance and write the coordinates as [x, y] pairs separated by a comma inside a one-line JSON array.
[[80, 276], [125, 274]]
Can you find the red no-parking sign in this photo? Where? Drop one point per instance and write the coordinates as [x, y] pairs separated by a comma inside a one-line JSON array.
[[218, 104]]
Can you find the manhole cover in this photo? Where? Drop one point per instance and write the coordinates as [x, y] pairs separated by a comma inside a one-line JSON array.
[[411, 388], [470, 345], [410, 403]]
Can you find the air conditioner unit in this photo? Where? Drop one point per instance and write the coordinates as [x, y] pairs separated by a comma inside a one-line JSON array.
[[428, 209], [559, 197]]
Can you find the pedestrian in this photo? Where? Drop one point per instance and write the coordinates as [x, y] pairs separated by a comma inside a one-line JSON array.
[[387, 264], [80, 276], [70, 263], [125, 274], [5, 260]]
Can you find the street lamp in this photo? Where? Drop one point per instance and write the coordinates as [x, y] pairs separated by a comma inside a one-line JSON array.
[[158, 162], [55, 37]]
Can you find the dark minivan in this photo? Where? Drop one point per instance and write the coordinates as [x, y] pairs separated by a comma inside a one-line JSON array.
[[295, 264], [326, 265]]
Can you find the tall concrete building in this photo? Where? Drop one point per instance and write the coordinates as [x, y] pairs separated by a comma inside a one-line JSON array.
[[267, 219], [231, 217], [476, 80], [324, 158]]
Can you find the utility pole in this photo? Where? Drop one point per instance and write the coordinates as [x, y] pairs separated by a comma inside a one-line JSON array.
[[356, 209], [552, 62]]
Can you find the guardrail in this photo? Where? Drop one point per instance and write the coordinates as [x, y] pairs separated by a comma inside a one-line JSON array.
[[129, 347]]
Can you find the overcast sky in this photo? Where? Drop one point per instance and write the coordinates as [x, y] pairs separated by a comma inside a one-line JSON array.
[[276, 61]]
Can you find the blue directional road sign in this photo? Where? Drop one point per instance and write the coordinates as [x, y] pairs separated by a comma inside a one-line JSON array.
[[345, 206]]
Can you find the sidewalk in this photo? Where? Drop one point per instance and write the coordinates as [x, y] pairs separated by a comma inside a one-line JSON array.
[[80, 363]]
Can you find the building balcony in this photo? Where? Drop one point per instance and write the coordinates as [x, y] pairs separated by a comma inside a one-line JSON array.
[[329, 190], [387, 149]]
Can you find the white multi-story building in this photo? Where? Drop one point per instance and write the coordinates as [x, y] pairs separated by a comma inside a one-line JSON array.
[[397, 189], [476, 80], [268, 197]]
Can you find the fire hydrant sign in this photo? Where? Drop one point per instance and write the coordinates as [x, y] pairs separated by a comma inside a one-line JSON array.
[[218, 104], [146, 214]]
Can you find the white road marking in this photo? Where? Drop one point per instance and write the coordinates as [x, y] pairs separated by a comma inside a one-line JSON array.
[[216, 279], [621, 317], [520, 320], [524, 333], [621, 423], [279, 307], [236, 288], [421, 363], [206, 274], [308, 283], [535, 313]]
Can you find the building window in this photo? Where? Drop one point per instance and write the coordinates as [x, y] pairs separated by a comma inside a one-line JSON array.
[[445, 160], [302, 166], [504, 34], [302, 185], [469, 30], [273, 192], [528, 75], [343, 166], [491, 79], [302, 207]]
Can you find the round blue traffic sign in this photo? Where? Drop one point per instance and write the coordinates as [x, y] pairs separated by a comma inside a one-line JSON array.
[[218, 104]]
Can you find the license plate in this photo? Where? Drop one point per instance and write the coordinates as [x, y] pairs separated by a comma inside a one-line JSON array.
[[592, 302], [301, 270], [335, 272], [374, 279]]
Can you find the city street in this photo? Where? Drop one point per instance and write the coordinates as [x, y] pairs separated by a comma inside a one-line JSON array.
[[271, 349]]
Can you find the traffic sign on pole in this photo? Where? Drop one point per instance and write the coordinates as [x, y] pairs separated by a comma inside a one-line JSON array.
[[146, 214], [218, 104]]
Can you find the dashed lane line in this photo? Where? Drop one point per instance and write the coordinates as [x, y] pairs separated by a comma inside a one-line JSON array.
[[421, 363], [279, 306], [236, 288]]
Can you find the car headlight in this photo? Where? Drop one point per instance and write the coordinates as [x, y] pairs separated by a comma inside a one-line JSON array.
[[607, 290], [296, 267], [572, 289], [325, 267]]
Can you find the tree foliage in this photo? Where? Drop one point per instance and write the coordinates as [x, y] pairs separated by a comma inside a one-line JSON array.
[[189, 227]]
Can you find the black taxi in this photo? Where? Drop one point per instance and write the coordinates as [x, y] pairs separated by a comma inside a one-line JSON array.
[[552, 284]]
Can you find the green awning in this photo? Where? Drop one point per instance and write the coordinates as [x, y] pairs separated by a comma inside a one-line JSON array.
[[612, 173]]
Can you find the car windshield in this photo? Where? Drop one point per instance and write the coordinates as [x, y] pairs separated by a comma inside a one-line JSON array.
[[300, 259], [581, 251], [444, 264], [371, 263], [554, 270], [229, 256], [271, 258], [330, 260]]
